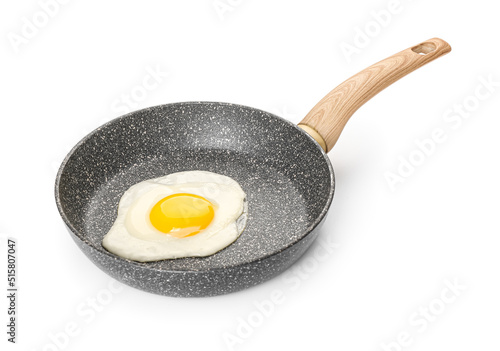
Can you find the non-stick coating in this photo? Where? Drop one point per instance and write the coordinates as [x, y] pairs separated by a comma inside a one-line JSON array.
[[288, 180]]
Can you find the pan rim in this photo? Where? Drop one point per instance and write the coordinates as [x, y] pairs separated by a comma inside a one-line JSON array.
[[144, 265]]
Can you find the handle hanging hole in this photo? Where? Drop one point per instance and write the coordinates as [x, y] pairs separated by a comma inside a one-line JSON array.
[[424, 48]]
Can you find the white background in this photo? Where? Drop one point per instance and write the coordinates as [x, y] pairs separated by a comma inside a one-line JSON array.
[[390, 253]]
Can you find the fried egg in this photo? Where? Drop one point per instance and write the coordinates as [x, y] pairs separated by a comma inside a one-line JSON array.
[[185, 214]]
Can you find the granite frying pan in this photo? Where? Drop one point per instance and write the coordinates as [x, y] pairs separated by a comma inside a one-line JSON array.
[[282, 167]]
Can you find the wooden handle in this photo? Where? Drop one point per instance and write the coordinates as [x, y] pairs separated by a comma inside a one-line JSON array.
[[331, 114]]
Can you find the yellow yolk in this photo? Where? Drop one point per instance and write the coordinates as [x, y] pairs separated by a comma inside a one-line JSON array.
[[182, 214]]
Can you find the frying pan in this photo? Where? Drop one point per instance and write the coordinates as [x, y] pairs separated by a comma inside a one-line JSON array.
[[283, 168]]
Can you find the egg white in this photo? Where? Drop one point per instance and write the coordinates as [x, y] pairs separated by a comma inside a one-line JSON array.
[[132, 235]]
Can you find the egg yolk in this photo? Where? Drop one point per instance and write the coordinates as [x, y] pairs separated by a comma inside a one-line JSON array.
[[182, 214]]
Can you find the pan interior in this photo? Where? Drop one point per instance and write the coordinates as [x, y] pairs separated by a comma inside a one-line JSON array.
[[287, 178]]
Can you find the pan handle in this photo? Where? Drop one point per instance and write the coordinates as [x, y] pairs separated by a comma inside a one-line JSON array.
[[327, 119]]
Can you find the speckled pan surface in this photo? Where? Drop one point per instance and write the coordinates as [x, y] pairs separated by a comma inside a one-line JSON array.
[[288, 180]]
